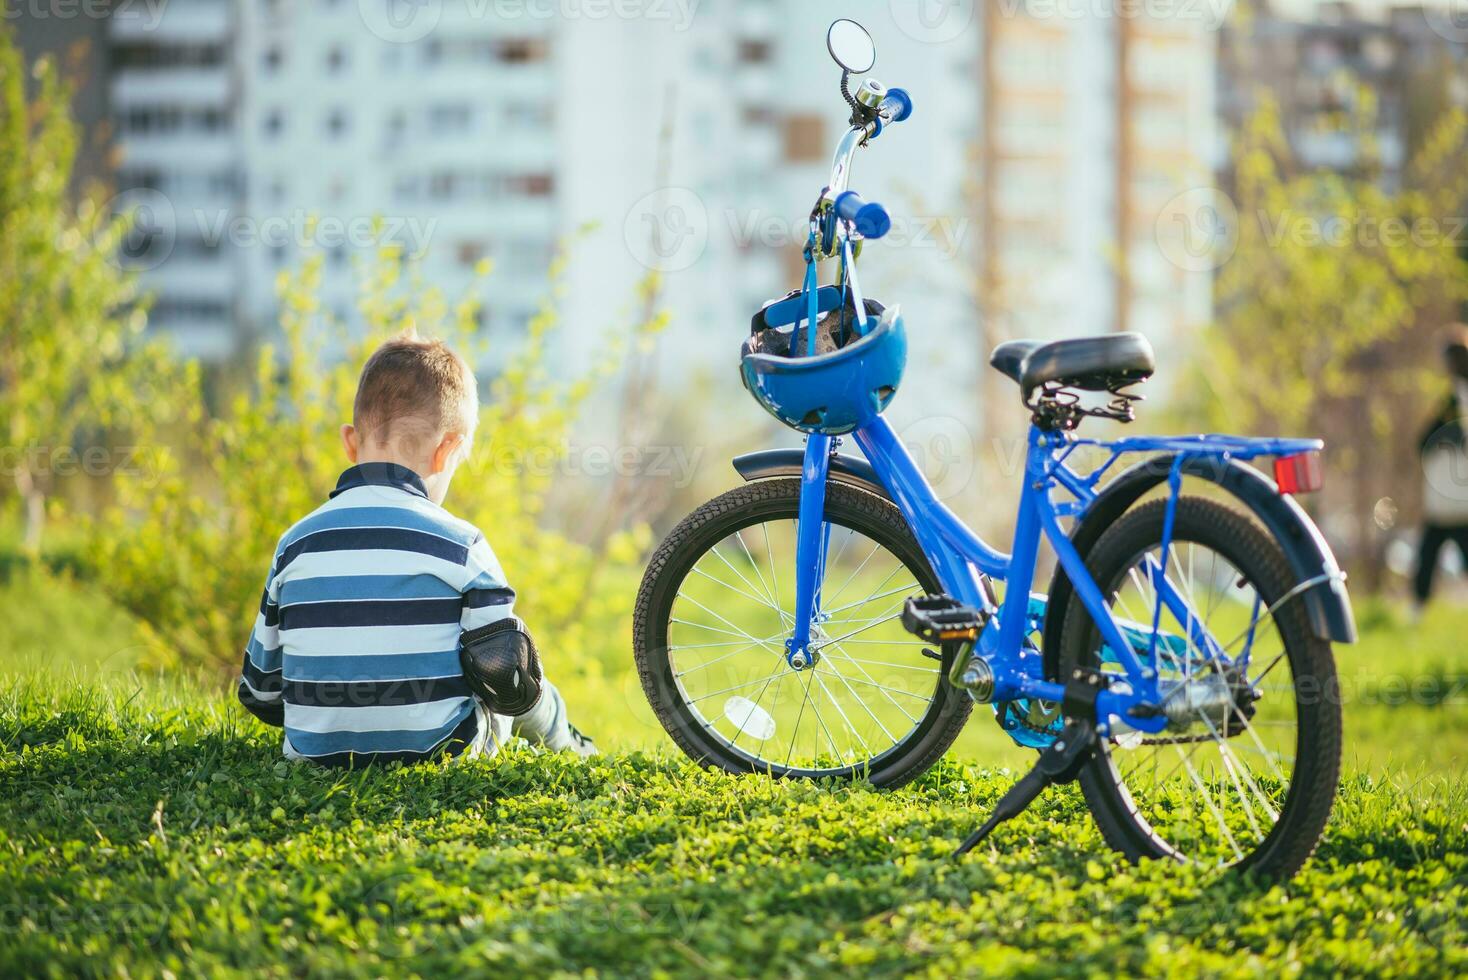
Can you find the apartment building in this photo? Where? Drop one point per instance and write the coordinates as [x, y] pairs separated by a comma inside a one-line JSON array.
[[1090, 125], [1346, 64], [173, 97], [444, 146]]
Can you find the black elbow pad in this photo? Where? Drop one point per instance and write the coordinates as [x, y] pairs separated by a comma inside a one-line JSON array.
[[502, 666]]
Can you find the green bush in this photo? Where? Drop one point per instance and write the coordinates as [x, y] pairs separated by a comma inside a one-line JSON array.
[[187, 545], [69, 314]]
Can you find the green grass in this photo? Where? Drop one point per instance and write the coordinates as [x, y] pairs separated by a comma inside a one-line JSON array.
[[149, 826]]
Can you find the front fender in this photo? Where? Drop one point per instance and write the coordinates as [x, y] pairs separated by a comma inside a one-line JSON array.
[[767, 463], [1327, 605]]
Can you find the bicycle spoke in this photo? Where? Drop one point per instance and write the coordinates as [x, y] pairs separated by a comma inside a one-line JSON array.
[[835, 704], [870, 680], [721, 619], [736, 590], [883, 663], [875, 548], [795, 733], [774, 599], [718, 659], [891, 690], [1208, 800], [862, 602], [711, 629], [736, 687], [770, 556], [835, 640], [769, 598], [862, 701], [774, 705]]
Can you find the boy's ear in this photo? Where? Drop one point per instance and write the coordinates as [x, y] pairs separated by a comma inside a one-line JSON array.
[[349, 441], [444, 452]]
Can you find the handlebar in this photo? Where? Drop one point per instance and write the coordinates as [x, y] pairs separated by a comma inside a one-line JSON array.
[[870, 218], [896, 106]]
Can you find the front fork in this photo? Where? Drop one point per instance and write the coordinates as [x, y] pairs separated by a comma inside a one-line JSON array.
[[811, 538]]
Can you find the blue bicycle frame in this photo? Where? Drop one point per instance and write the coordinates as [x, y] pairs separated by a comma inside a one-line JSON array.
[[957, 556], [960, 559]]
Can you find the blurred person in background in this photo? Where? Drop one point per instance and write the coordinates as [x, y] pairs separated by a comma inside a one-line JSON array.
[[1445, 473]]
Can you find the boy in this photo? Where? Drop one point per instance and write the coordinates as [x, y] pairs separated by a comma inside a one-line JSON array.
[[373, 598]]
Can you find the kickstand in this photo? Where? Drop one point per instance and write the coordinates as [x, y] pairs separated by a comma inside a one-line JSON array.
[[1060, 762]]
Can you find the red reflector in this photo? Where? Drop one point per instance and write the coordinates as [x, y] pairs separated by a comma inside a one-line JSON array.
[[1299, 473]]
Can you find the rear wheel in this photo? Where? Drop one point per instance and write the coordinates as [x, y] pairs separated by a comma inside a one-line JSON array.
[[1248, 782], [710, 626]]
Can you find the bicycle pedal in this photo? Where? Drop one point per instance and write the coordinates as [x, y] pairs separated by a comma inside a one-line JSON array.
[[941, 619]]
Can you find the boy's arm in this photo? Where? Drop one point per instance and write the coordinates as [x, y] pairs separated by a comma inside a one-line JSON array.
[[261, 682], [487, 596]]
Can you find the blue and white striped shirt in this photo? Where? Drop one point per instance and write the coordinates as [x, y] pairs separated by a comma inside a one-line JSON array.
[[355, 650]]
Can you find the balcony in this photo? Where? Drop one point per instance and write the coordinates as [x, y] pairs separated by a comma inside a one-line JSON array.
[[197, 20], [172, 86]]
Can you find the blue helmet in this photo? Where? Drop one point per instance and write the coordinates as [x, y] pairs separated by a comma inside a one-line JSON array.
[[835, 392]]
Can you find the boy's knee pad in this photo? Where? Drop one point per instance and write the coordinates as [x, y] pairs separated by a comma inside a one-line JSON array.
[[502, 666]]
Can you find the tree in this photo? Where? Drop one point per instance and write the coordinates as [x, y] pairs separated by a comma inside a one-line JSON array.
[[1328, 314], [67, 309]]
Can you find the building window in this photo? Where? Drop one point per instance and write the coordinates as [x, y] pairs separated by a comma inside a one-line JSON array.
[[272, 59], [528, 116], [442, 186], [337, 122], [151, 54], [519, 51], [274, 123], [757, 115], [336, 60], [805, 137], [469, 253], [754, 52], [173, 310], [448, 118], [530, 185]]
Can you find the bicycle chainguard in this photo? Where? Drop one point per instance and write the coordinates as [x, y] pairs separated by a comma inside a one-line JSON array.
[[1060, 762]]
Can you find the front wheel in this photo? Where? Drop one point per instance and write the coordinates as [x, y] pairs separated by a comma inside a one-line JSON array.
[[713, 614], [1248, 781]]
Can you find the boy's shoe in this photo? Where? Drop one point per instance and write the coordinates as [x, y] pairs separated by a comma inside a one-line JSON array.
[[581, 745]]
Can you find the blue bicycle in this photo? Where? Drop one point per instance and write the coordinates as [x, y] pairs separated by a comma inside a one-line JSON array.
[[832, 618]]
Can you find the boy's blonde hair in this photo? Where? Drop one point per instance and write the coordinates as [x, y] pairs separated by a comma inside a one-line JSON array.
[[413, 388]]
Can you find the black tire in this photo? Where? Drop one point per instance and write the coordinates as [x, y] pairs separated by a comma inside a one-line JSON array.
[[1315, 772], [746, 506]]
